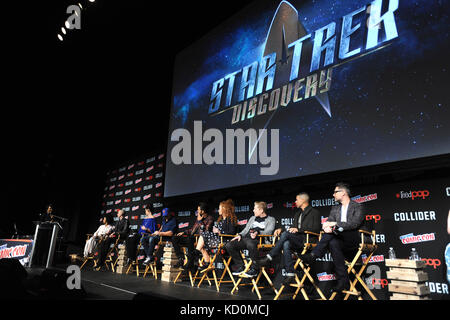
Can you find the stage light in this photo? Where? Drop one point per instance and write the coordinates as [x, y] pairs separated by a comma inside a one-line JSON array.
[[60, 37], [63, 30], [67, 24], [79, 4], [91, 0]]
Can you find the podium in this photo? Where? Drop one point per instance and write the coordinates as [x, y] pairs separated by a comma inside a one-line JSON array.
[[45, 238]]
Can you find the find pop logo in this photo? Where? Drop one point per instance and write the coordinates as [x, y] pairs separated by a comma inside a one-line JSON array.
[[422, 194]]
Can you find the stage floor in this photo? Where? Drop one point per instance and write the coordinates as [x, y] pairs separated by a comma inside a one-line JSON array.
[[107, 285]]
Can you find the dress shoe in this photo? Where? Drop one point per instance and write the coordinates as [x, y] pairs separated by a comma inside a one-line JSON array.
[[192, 268], [197, 254], [251, 273], [238, 271], [263, 262], [203, 267], [180, 263], [307, 258], [189, 265]]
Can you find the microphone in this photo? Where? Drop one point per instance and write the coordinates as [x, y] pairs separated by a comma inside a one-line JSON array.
[[337, 230], [60, 218]]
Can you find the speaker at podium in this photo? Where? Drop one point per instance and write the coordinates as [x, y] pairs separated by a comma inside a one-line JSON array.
[[45, 238]]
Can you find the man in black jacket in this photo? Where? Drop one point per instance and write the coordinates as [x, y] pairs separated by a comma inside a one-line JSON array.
[[306, 218], [341, 234], [120, 229]]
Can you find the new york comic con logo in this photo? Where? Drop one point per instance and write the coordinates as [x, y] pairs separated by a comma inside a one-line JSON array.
[[297, 65]]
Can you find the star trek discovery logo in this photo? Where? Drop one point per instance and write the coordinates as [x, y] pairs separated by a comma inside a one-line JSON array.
[[302, 60]]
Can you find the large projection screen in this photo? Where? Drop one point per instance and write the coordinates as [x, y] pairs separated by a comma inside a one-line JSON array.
[[309, 87]]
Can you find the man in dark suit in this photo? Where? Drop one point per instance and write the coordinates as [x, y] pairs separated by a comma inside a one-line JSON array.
[[341, 234], [306, 218], [120, 229]]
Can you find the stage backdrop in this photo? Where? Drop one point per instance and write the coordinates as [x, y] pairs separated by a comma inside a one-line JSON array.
[[132, 185], [347, 84], [405, 215]]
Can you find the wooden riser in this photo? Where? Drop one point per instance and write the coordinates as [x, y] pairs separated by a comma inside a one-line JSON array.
[[169, 277], [121, 269], [420, 289], [400, 296], [419, 276], [170, 262], [405, 263], [170, 255], [170, 268]]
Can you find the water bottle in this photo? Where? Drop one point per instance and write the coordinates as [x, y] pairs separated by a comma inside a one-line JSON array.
[[391, 253], [414, 255]]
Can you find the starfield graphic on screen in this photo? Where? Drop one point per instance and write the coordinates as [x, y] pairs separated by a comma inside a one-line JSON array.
[[312, 87]]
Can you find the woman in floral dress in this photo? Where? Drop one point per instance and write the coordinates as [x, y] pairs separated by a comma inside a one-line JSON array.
[[226, 224]]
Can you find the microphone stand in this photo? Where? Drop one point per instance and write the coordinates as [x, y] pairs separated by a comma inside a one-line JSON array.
[[57, 217], [16, 233]]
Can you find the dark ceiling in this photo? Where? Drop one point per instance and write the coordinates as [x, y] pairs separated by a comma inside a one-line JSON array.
[[74, 109], [104, 92]]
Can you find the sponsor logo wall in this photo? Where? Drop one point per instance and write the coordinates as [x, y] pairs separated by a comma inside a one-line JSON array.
[[417, 221], [404, 216], [133, 185]]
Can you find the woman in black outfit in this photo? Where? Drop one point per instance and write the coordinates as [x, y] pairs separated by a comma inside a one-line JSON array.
[[226, 224]]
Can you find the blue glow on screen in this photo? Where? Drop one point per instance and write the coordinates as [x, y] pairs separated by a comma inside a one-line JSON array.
[[387, 103]]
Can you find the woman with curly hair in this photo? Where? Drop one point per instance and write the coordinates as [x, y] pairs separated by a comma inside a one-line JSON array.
[[226, 224], [104, 230]]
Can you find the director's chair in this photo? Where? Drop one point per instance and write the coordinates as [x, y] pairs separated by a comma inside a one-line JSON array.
[[364, 248], [91, 256], [152, 265], [134, 265], [113, 252], [215, 253], [299, 284], [193, 276], [262, 271]]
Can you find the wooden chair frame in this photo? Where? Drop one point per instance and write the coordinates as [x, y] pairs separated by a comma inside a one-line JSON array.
[[109, 258], [90, 257], [135, 263], [152, 266], [226, 262], [192, 276], [364, 247], [254, 282], [299, 284]]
